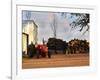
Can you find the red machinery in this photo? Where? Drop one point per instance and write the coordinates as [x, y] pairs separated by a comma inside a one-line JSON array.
[[42, 49]]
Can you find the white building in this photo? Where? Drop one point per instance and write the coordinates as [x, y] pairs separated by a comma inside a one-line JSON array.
[[29, 34]]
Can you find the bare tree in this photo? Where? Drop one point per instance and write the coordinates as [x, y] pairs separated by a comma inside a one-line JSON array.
[[28, 15], [54, 29], [54, 25]]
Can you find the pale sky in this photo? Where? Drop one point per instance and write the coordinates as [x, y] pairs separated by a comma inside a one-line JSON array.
[[64, 31]]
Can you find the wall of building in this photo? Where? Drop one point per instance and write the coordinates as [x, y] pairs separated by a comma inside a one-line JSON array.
[[29, 28]]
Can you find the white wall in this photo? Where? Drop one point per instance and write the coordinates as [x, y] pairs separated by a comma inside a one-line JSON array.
[[5, 35], [30, 29]]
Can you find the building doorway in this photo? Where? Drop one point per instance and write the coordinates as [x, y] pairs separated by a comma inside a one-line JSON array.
[[25, 43]]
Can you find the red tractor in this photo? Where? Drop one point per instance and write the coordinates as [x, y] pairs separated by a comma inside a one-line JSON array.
[[42, 50]]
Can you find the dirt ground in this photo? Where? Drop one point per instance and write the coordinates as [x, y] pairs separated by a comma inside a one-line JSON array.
[[57, 60]]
